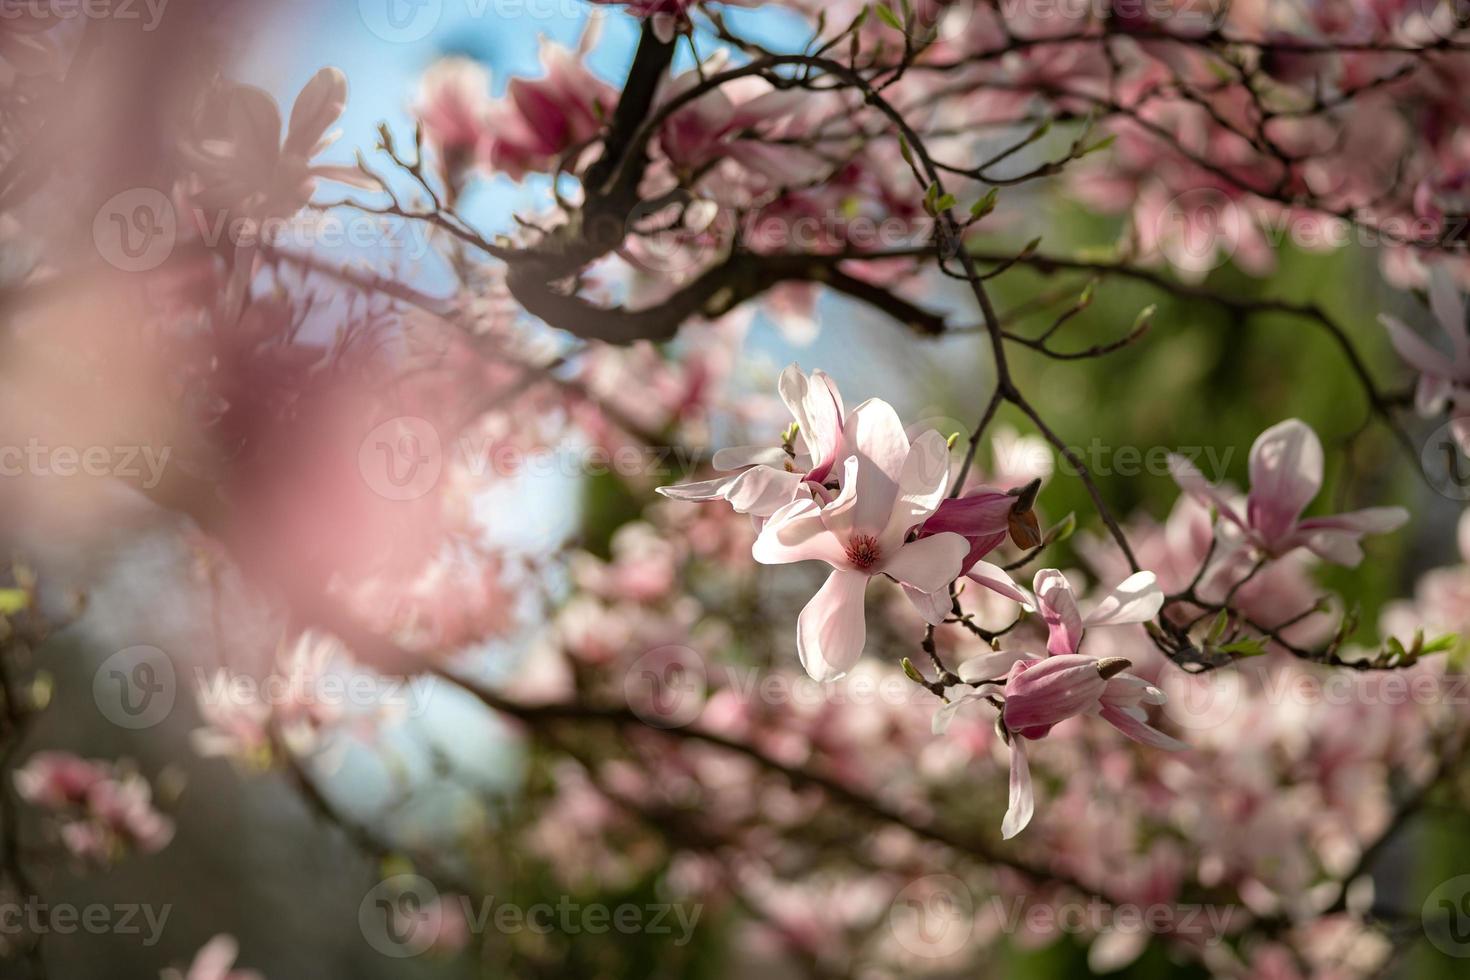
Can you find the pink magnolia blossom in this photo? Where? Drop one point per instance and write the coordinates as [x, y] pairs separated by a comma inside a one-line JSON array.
[[122, 809], [214, 961], [542, 121], [767, 478], [103, 809], [1286, 474], [249, 170], [888, 487], [1444, 377], [1136, 600], [1039, 694], [55, 780], [453, 106], [737, 123]]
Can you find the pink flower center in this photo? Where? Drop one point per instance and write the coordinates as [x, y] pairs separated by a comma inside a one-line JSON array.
[[862, 551]]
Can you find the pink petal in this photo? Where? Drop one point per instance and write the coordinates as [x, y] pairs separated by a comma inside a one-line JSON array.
[[1370, 520], [1337, 538], [929, 564], [1023, 798], [1286, 473], [796, 532], [875, 436], [739, 457], [1449, 310], [1042, 693], [1431, 395], [1193, 482], [215, 957], [762, 490], [700, 492], [1137, 599], [921, 486], [994, 578], [990, 666], [1058, 608], [320, 103], [933, 606], [1140, 731], [1415, 351], [944, 715], [831, 631]]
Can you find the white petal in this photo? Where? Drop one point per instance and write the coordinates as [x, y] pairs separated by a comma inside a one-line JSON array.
[[831, 630], [1023, 799], [1137, 599], [921, 486], [796, 533], [929, 564]]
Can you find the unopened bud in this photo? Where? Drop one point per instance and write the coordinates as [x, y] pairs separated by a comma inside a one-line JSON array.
[[1110, 667]]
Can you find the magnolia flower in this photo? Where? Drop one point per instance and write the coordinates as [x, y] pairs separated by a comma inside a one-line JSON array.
[[737, 122], [123, 810], [543, 120], [453, 106], [1286, 473], [888, 487], [1136, 600], [214, 961], [103, 809], [767, 478], [1444, 378], [55, 780], [249, 169], [1040, 692]]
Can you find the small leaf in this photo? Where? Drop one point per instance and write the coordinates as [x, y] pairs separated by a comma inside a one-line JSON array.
[[1441, 644], [986, 204], [13, 601], [1251, 647], [1218, 627]]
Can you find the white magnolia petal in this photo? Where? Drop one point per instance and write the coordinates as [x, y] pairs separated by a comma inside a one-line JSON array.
[[1023, 797], [831, 631], [1137, 599], [929, 564]]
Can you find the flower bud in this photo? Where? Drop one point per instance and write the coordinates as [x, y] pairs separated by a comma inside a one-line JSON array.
[[1040, 693]]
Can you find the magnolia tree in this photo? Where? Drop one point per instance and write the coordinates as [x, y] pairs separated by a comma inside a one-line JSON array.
[[990, 707]]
